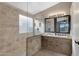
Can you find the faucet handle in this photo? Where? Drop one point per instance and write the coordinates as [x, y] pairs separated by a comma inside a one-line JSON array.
[[77, 42]]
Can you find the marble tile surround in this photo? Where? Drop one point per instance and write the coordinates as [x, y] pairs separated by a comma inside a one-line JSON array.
[[11, 42], [34, 44]]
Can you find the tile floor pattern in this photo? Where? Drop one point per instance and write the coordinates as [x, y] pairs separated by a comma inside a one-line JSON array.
[[45, 52]]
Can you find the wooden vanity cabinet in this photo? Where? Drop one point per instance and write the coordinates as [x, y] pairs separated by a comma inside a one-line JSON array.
[[57, 44]]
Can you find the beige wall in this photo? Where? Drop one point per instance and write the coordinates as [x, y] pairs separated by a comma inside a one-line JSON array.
[[75, 27], [11, 42]]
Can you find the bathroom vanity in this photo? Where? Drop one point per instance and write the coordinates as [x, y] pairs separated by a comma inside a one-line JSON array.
[[57, 44], [57, 34], [33, 44]]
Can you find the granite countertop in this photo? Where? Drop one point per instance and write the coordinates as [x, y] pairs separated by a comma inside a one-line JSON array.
[[53, 35], [33, 36]]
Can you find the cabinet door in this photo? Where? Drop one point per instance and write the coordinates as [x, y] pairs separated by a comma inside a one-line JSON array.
[[44, 42]]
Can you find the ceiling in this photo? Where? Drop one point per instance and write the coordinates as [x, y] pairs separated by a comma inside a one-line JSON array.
[[33, 7], [60, 8]]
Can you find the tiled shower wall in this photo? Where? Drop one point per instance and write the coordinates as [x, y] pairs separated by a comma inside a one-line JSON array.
[[11, 42]]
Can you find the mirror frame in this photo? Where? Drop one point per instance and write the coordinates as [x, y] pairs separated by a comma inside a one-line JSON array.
[[54, 25], [55, 21]]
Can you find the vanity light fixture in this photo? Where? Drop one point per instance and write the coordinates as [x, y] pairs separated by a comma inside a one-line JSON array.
[[57, 14]]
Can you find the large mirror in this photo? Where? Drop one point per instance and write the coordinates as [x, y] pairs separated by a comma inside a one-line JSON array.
[[63, 24], [49, 25], [59, 24]]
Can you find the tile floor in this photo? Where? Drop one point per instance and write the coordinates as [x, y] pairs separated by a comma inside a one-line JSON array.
[[45, 52]]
